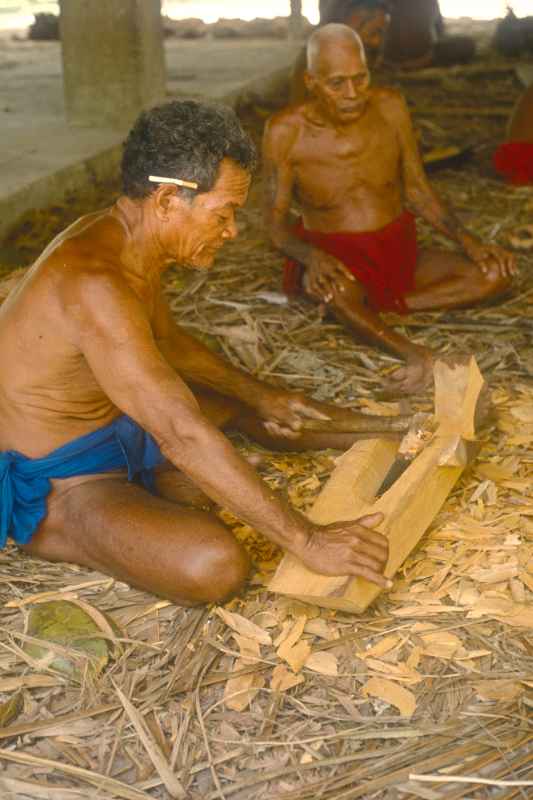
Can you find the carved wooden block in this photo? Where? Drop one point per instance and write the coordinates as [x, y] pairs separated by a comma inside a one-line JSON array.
[[411, 503]]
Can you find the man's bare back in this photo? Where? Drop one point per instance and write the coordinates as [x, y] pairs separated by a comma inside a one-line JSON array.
[[349, 157]]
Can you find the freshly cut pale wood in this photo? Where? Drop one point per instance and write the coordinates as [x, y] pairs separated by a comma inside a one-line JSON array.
[[351, 487], [457, 391], [409, 506]]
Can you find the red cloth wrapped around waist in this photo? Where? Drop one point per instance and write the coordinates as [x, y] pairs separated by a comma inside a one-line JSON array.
[[383, 261], [514, 160]]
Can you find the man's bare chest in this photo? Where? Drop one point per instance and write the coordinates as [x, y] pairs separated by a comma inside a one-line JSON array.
[[329, 165]]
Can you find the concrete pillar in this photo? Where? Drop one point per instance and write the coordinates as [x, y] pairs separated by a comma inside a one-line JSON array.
[[296, 20], [113, 60]]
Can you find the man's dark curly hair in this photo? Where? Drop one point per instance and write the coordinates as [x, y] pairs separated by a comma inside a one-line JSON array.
[[186, 140]]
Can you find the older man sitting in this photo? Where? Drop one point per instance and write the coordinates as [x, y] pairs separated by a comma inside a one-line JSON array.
[[348, 158]]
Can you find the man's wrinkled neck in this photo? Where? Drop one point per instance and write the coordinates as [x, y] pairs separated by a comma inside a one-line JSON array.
[[142, 254], [321, 116]]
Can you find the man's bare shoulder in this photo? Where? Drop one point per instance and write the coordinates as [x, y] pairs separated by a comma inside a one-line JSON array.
[[390, 103], [283, 129], [89, 240], [83, 270], [90, 246]]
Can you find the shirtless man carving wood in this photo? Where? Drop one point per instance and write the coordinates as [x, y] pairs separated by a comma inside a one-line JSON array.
[[96, 418], [349, 158]]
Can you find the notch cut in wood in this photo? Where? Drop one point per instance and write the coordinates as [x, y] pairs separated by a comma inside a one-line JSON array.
[[411, 503]]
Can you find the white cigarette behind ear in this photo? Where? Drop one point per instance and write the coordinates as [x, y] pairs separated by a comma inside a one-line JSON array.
[[176, 181]]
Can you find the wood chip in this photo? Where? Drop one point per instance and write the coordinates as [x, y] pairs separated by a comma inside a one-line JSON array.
[[388, 691], [323, 662], [283, 679], [244, 626]]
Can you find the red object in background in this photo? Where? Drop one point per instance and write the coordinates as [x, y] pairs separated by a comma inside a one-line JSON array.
[[383, 261], [514, 160]]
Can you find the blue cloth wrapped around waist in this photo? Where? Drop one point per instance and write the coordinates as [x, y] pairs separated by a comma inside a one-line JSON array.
[[25, 482]]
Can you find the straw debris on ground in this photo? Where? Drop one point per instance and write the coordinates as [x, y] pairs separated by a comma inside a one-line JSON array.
[[267, 697]]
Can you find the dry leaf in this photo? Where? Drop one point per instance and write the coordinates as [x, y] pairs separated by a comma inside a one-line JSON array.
[[10, 710], [77, 628], [522, 412], [385, 645], [414, 657], [439, 644], [323, 662], [296, 656], [319, 627], [79, 728], [266, 619], [494, 472], [388, 691], [527, 580], [518, 593], [504, 690], [283, 679], [379, 409], [36, 681], [240, 691], [285, 628], [424, 610], [400, 672], [464, 594], [249, 649], [244, 626], [156, 755], [297, 609], [472, 654], [15, 788], [505, 611], [293, 634], [495, 574]]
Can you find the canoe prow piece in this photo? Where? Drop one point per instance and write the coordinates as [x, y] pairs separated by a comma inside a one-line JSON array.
[[411, 503]]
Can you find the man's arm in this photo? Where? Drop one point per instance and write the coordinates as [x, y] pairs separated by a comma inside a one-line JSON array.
[[426, 202], [278, 179], [197, 364], [111, 329], [418, 191]]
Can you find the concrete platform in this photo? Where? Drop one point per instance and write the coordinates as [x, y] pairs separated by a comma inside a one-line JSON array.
[[43, 159]]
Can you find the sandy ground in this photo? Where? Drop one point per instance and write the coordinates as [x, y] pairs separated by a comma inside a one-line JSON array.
[[42, 158], [30, 72]]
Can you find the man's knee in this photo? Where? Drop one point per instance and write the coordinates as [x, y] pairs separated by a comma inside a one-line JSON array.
[[348, 295], [220, 570], [343, 294], [495, 284]]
